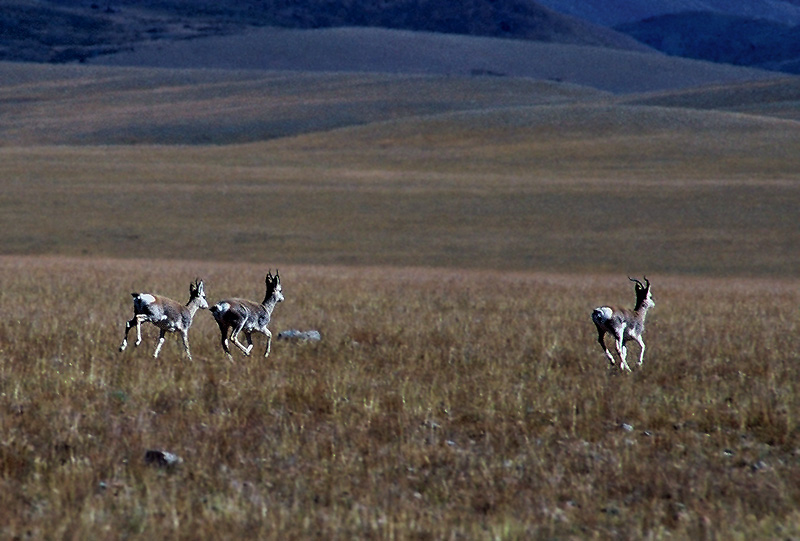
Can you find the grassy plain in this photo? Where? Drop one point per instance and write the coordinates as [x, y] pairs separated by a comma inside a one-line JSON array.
[[440, 404], [449, 237], [478, 172]]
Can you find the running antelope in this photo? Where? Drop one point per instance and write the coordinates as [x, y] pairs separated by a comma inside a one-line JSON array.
[[624, 324], [166, 314], [237, 315]]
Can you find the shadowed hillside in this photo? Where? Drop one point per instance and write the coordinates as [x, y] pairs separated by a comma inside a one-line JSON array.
[[394, 51], [53, 31], [757, 33], [614, 12], [722, 38], [82, 105]]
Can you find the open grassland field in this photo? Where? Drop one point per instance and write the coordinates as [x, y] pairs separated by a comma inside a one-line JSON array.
[[449, 236], [430, 203], [440, 404], [481, 172]]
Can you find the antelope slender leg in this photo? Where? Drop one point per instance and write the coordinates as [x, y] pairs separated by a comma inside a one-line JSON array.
[[160, 343], [139, 318], [135, 320], [641, 353], [223, 330], [622, 355], [128, 325], [185, 337], [235, 338], [249, 337], [603, 345], [269, 342]]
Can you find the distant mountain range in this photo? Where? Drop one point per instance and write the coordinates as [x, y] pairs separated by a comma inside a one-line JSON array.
[[614, 12], [61, 31], [722, 38], [757, 33]]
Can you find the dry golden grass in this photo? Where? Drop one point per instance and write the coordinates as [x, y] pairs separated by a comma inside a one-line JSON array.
[[440, 404], [778, 98], [577, 188], [429, 171], [468, 401]]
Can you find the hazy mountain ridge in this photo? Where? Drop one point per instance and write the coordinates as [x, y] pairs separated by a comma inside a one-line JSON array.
[[722, 39], [757, 33], [751, 34], [53, 31], [615, 12]]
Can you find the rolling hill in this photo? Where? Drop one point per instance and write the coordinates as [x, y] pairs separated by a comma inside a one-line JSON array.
[[775, 98], [54, 31], [97, 105], [366, 146], [397, 169], [86, 105], [762, 33], [615, 12], [722, 38], [757, 34], [395, 51], [446, 210]]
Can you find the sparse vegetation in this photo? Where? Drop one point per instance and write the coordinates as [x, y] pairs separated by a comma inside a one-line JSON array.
[[449, 237], [572, 188], [439, 404]]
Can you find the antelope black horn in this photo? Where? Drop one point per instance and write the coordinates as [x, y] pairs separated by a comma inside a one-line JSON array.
[[637, 282]]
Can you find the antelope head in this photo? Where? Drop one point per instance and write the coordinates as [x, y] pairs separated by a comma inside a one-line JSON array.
[[643, 296]]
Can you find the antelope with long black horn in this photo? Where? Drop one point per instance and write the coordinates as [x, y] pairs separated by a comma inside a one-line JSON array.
[[624, 324]]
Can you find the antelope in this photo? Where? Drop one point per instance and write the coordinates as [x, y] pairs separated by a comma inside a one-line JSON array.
[[624, 324], [166, 314], [239, 315]]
